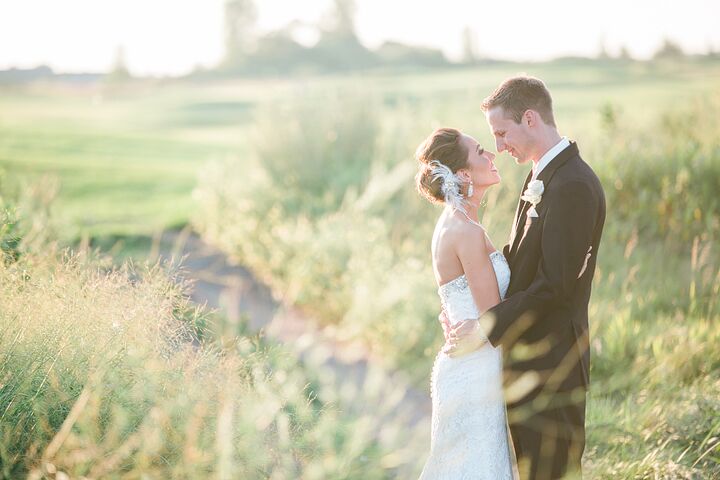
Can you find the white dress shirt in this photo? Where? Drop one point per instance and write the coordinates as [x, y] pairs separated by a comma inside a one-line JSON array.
[[549, 155]]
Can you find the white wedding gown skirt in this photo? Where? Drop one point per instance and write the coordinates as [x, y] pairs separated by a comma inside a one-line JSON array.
[[469, 422]]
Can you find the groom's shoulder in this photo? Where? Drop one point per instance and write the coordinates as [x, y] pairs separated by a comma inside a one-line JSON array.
[[578, 170], [576, 179]]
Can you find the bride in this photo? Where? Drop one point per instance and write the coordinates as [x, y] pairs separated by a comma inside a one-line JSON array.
[[469, 436]]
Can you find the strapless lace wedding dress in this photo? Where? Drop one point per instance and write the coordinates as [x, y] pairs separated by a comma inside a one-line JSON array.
[[469, 422]]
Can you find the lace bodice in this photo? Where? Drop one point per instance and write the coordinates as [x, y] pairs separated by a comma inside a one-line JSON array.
[[457, 299]]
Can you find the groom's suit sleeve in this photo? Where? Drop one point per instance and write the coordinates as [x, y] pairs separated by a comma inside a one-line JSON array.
[[567, 233]]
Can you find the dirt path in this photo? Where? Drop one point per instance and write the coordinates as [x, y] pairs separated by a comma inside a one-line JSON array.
[[361, 385]]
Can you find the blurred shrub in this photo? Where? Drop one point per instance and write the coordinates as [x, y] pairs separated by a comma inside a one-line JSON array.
[[329, 242], [9, 236], [664, 181], [26, 221], [317, 150]]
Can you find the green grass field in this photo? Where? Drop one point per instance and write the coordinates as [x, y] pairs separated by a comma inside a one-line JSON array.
[[242, 161]]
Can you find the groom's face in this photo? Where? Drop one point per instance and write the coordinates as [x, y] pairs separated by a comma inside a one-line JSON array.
[[510, 137]]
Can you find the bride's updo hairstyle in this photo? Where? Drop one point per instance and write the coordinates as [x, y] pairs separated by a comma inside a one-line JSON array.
[[443, 146]]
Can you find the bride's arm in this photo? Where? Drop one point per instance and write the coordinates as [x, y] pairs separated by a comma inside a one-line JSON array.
[[475, 259], [472, 252]]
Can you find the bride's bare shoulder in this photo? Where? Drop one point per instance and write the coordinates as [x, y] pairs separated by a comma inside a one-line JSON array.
[[466, 235]]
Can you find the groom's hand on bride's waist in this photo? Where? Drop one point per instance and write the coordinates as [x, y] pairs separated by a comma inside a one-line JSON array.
[[445, 323], [464, 338]]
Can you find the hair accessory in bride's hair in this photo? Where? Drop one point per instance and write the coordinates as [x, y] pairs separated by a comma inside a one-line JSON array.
[[450, 187]]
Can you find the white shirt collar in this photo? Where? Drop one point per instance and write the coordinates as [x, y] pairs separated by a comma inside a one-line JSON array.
[[549, 155]]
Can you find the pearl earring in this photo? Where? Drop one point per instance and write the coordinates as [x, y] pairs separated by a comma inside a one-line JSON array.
[[470, 190]]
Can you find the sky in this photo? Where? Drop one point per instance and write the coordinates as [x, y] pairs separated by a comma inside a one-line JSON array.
[[172, 37]]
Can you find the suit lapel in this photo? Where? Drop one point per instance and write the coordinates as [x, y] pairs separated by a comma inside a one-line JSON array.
[[522, 204], [520, 227]]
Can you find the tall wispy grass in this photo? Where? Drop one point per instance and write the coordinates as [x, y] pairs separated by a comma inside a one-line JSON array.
[[364, 267], [654, 403], [103, 375]]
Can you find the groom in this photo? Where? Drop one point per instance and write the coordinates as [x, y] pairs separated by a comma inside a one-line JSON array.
[[542, 325]]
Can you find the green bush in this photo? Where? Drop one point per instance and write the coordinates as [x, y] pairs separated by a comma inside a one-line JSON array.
[[663, 181], [26, 221], [315, 151]]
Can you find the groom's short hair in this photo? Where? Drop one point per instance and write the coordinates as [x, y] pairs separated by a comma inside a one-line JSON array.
[[518, 94]]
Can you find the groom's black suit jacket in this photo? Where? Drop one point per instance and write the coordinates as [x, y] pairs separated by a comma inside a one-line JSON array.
[[543, 323]]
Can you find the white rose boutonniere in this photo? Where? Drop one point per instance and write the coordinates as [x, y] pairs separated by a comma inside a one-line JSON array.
[[533, 194]]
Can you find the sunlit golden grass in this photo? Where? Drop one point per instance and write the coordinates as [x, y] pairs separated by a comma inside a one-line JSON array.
[[102, 376]]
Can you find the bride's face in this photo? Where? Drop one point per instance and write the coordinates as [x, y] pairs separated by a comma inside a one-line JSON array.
[[481, 164]]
